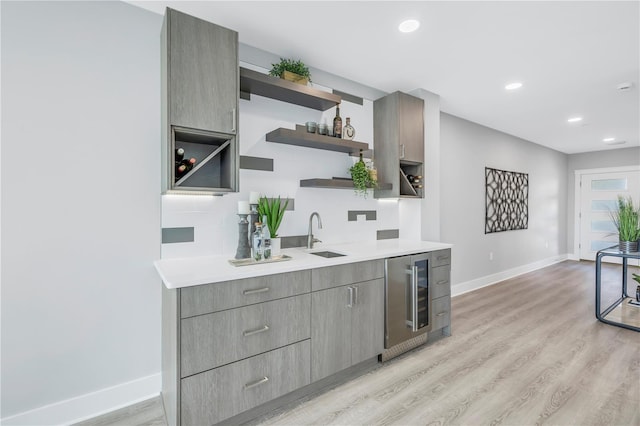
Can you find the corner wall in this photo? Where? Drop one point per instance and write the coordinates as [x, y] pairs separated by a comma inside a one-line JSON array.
[[466, 149]]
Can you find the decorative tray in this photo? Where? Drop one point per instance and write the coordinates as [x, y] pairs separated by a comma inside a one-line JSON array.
[[252, 261]]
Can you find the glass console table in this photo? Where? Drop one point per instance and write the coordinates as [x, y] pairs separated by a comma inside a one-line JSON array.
[[620, 313]]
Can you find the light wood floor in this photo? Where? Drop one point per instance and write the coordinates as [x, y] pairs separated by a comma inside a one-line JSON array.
[[526, 351]]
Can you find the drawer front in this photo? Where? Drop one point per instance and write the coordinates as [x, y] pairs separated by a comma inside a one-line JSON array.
[[441, 257], [204, 299], [339, 275], [212, 340], [441, 313], [218, 394], [440, 284]]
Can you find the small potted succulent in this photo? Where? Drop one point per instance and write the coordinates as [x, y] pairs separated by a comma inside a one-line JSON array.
[[362, 177], [273, 209], [291, 70]]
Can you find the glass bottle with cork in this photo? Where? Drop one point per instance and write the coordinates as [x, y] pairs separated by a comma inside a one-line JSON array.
[[337, 123]]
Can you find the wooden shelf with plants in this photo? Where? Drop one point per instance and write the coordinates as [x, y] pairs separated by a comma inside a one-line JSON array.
[[254, 82]]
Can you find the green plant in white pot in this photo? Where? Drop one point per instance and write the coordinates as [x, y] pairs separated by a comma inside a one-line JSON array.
[[627, 221], [273, 209]]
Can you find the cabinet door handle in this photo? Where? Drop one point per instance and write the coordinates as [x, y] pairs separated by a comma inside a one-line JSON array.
[[402, 151], [442, 282], [256, 331], [440, 314], [258, 382], [233, 120], [255, 291], [355, 294], [443, 257], [350, 299], [414, 298]]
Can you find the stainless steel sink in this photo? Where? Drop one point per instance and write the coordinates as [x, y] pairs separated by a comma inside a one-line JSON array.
[[327, 254]]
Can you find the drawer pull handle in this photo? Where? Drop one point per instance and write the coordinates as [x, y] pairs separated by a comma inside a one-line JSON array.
[[440, 314], [442, 282], [256, 331], [265, 379], [443, 257], [255, 291]]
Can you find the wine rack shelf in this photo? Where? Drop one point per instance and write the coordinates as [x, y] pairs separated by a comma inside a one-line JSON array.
[[253, 82], [335, 183], [300, 137]]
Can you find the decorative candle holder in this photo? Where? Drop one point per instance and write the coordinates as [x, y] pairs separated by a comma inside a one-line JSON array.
[[244, 249]]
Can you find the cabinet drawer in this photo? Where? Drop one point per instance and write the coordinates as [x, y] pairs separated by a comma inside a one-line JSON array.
[[212, 340], [335, 276], [215, 297], [440, 284], [441, 313], [441, 257], [218, 394]]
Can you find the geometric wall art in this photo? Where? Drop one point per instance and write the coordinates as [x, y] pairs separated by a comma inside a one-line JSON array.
[[507, 200]]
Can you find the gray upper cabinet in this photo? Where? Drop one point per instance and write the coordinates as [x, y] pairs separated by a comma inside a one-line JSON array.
[[200, 96], [203, 74], [398, 139]]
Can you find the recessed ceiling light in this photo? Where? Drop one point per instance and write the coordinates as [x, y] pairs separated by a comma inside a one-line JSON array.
[[408, 26], [608, 139], [513, 86], [615, 142], [574, 119]]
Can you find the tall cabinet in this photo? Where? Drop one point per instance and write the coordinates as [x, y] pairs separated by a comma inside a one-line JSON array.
[[398, 139], [200, 96]]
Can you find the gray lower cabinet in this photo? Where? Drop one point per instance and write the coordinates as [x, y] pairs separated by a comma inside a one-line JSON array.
[[440, 287], [347, 327], [212, 396]]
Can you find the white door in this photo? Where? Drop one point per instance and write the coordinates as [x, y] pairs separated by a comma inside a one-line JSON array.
[[599, 195]]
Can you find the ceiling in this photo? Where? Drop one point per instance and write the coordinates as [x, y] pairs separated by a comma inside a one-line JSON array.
[[569, 55]]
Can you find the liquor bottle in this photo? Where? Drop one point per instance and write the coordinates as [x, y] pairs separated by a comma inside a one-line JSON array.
[[410, 178], [337, 123], [417, 185], [348, 132], [188, 163], [179, 154], [181, 169], [256, 242], [266, 239]]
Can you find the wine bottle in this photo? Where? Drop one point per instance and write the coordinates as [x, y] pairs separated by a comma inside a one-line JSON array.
[[410, 178], [179, 154], [181, 169], [188, 163], [348, 132], [337, 123]]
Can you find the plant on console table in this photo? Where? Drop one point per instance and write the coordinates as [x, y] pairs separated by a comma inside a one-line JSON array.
[[362, 178], [627, 220], [273, 210], [291, 70]]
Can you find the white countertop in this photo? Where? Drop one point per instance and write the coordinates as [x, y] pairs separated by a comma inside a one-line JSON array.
[[190, 271]]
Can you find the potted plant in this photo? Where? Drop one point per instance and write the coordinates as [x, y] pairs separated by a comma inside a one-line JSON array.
[[362, 178], [273, 209], [627, 221], [291, 70]]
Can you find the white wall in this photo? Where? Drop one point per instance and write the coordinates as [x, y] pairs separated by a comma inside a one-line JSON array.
[[80, 204], [466, 149]]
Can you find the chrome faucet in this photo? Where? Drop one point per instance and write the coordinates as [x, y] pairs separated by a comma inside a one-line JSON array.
[[310, 238]]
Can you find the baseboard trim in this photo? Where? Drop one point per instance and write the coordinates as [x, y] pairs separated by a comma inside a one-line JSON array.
[[488, 280], [89, 405]]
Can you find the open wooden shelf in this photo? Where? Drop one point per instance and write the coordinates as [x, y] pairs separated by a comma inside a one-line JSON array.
[[287, 91], [300, 137], [335, 183]]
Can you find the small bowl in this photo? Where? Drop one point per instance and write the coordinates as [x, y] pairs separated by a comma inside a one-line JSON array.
[[311, 126]]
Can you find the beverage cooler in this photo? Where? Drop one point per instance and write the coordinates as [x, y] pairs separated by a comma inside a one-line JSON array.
[[407, 302]]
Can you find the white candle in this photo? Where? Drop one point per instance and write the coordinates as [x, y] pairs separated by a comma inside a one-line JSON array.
[[243, 207], [254, 197]]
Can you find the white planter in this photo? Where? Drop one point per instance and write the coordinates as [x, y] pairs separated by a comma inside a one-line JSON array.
[[275, 246]]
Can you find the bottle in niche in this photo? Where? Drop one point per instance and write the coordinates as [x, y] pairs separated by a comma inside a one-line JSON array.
[[337, 123], [179, 154], [266, 239], [348, 132], [410, 178], [256, 242]]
